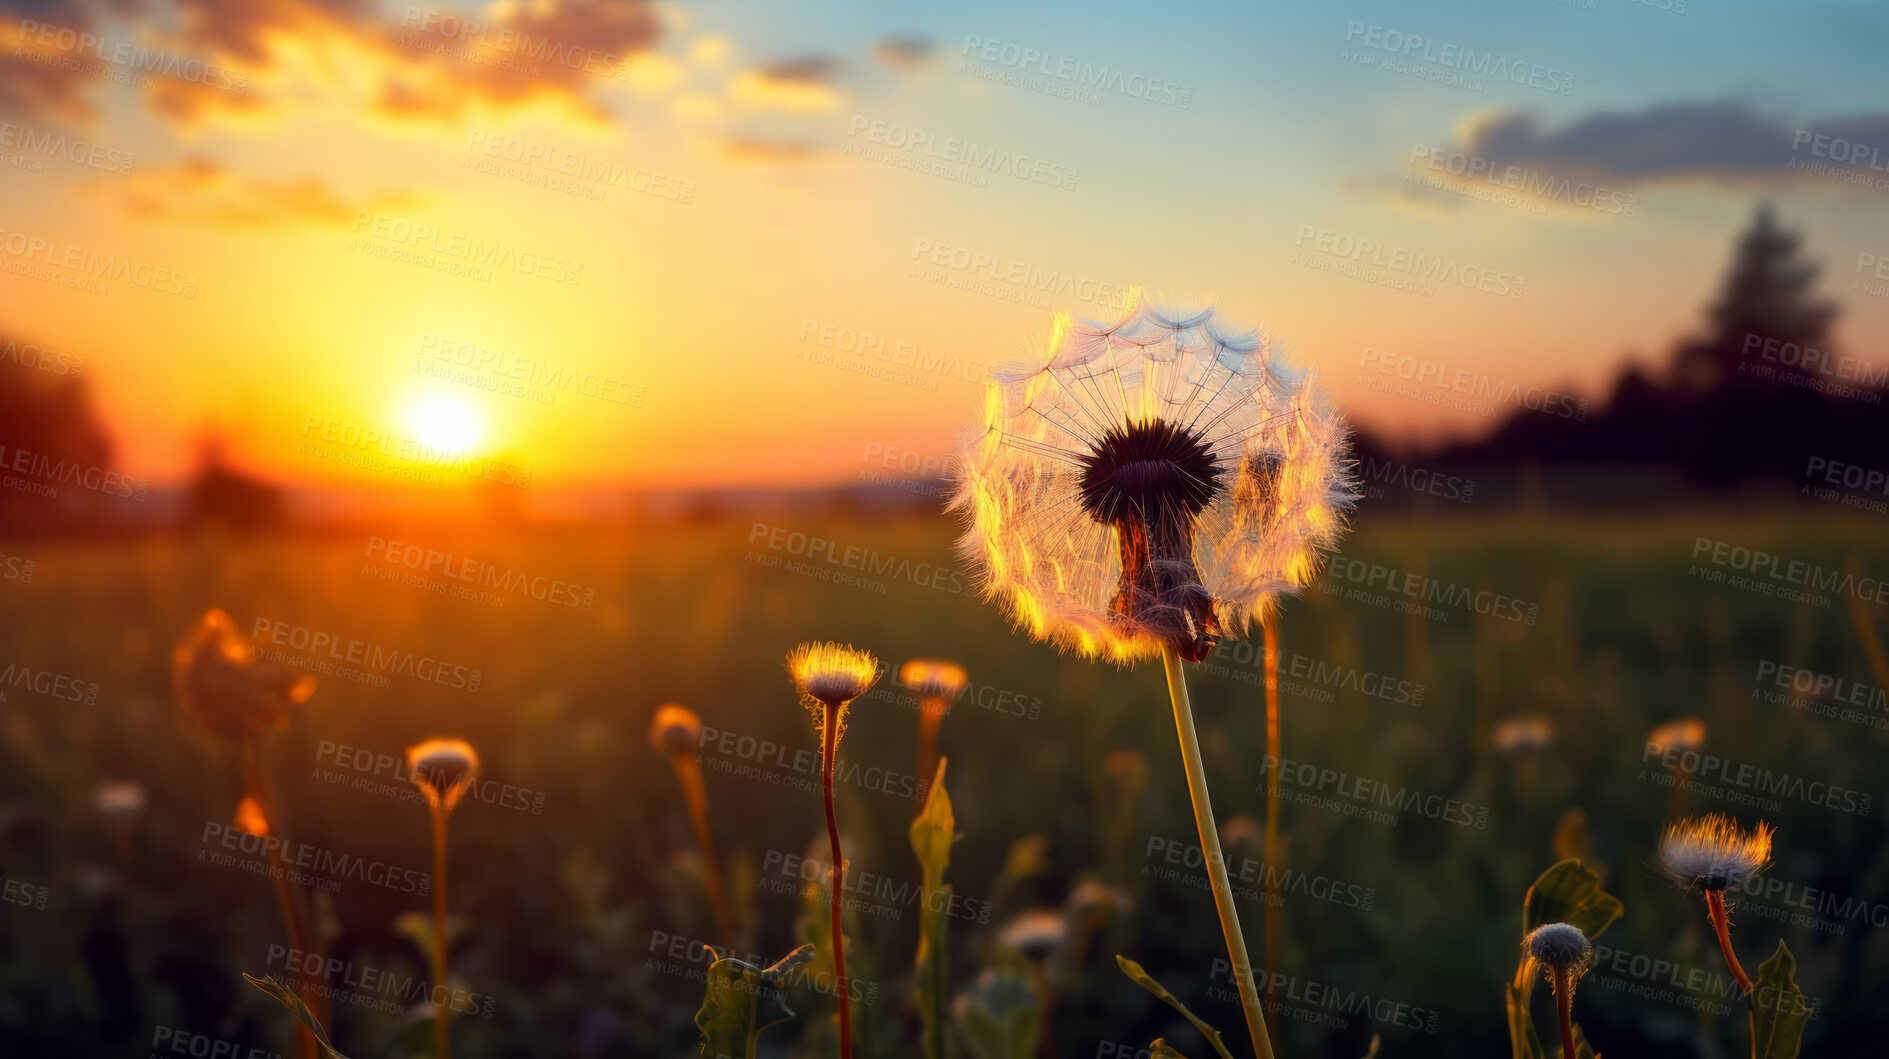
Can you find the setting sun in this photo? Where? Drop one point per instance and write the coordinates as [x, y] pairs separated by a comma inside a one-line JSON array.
[[447, 424]]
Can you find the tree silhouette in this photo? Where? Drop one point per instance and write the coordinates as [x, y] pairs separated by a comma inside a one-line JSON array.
[[46, 419], [1768, 296]]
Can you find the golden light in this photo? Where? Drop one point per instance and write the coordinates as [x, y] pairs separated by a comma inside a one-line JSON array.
[[445, 423]]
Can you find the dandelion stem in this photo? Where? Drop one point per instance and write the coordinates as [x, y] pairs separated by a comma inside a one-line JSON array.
[[440, 1041], [829, 749], [288, 902], [1715, 903], [1216, 861], [1272, 814], [930, 717], [1564, 1003], [689, 772]]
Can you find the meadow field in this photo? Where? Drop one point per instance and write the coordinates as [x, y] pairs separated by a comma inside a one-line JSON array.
[[1415, 822]]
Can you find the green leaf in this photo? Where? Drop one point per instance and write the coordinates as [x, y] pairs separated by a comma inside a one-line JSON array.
[[932, 834], [741, 1001], [1570, 893], [1141, 978], [1161, 1049], [287, 998], [1523, 1043], [1000, 1017], [1778, 1010]]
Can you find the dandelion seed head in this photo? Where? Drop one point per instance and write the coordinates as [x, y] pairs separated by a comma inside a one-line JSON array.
[[1035, 934], [675, 731], [1560, 947], [830, 676], [1162, 480], [228, 690], [1712, 852], [1522, 736], [934, 678], [443, 769]]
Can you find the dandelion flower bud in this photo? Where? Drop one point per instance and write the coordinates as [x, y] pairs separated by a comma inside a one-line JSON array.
[[250, 818], [1036, 934], [443, 769], [1684, 734], [830, 677], [223, 685], [933, 678], [1523, 736], [676, 731], [1713, 853], [1560, 947]]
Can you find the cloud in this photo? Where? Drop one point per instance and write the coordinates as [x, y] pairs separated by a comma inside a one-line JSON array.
[[1712, 142], [764, 149], [902, 53], [202, 190], [808, 83], [249, 60]]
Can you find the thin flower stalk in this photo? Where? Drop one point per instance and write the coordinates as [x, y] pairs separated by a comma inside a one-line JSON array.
[[443, 769], [676, 732], [1273, 868]]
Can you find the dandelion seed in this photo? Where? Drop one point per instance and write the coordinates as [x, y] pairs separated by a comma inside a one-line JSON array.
[[443, 769], [1564, 954], [830, 677], [676, 732], [1714, 854]]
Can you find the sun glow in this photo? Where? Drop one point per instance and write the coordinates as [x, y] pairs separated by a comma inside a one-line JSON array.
[[445, 423]]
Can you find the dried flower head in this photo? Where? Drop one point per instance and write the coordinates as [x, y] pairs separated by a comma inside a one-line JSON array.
[[1684, 734], [676, 731], [1521, 736], [934, 678], [443, 769], [1158, 481], [1035, 934], [1559, 947], [220, 681], [1713, 853], [831, 676]]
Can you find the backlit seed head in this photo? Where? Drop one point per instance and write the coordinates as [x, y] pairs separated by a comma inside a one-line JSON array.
[[1559, 947], [443, 769], [1522, 736], [1686, 733], [228, 690], [676, 731], [830, 676], [1713, 853], [1156, 482], [1035, 934], [934, 678]]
